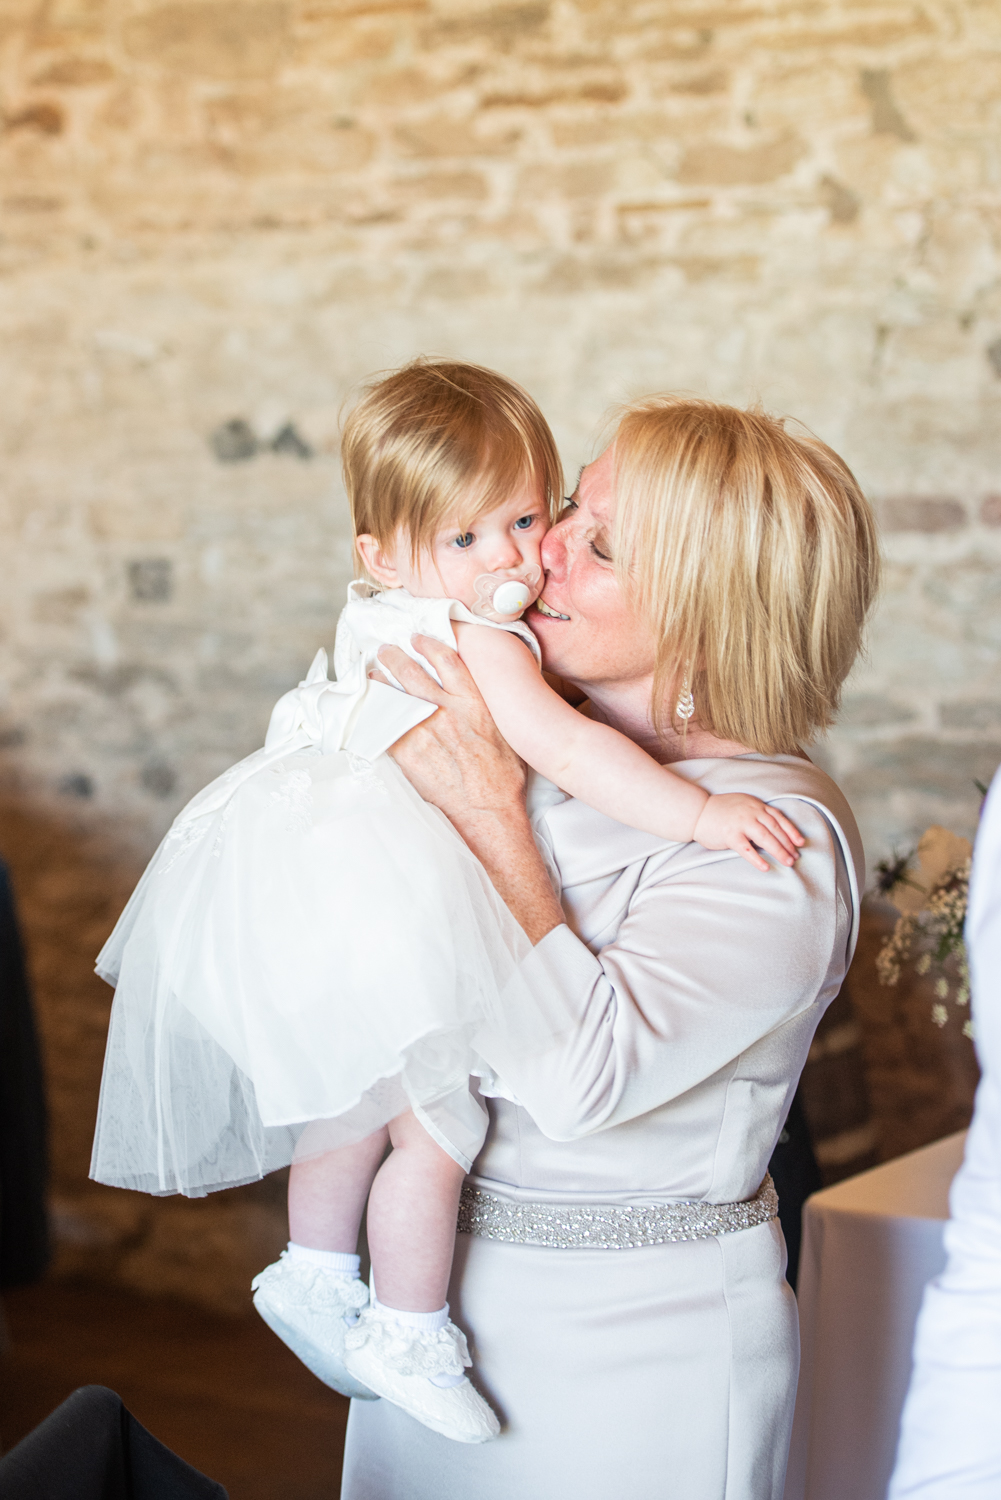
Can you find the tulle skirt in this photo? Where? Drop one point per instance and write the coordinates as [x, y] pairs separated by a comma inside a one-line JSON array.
[[319, 946]]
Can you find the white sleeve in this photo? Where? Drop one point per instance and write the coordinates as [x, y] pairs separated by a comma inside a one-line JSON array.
[[704, 964], [950, 1439]]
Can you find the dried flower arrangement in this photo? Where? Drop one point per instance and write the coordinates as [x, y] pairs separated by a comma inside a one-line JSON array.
[[932, 903]]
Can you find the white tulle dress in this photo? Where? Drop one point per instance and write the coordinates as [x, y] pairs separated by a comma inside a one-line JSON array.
[[312, 949]]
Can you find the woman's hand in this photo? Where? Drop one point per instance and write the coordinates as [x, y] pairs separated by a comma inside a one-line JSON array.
[[457, 759], [459, 763]]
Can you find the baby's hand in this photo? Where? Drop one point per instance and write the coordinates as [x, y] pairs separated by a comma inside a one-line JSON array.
[[733, 820]]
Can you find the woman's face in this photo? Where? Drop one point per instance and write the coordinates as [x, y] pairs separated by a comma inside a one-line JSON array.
[[588, 632]]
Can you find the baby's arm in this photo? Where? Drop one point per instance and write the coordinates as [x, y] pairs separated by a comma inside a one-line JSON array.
[[604, 768]]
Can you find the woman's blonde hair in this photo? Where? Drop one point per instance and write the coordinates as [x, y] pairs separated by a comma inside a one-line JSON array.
[[753, 555], [438, 442]]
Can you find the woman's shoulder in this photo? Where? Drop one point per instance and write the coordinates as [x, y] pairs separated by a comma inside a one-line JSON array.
[[768, 777], [775, 778], [587, 845]]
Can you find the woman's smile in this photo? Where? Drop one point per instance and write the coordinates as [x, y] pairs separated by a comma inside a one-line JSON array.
[[551, 614]]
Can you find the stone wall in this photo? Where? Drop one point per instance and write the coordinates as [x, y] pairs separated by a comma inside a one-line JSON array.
[[219, 215]]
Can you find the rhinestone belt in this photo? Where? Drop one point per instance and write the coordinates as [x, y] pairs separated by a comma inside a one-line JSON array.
[[608, 1226]]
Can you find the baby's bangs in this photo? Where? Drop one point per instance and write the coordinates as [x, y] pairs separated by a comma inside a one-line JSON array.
[[503, 473], [461, 504]]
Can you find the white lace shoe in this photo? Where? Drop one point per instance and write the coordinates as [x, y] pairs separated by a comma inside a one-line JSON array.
[[310, 1309], [398, 1362]]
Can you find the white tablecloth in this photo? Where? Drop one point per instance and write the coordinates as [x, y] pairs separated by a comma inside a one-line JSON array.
[[870, 1245]]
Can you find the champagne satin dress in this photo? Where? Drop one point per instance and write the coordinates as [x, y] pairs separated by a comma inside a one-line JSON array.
[[680, 1000]]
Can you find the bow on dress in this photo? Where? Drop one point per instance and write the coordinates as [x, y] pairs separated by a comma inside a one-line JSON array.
[[354, 714]]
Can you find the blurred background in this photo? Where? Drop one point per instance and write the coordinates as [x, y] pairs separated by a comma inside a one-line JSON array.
[[218, 216]]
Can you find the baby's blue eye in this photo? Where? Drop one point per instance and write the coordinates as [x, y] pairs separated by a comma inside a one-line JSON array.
[[523, 523], [465, 540]]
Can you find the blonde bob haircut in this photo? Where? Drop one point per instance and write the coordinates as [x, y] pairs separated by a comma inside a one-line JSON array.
[[753, 555], [440, 443]]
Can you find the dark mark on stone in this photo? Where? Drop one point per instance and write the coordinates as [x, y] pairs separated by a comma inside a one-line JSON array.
[[927, 513], [842, 204], [886, 117], [151, 579], [44, 117], [234, 441], [993, 352], [77, 785], [158, 778], [288, 441]]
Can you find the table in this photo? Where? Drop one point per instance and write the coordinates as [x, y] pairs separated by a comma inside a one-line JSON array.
[[870, 1245]]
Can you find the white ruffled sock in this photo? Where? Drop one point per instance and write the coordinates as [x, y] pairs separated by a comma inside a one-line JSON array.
[[336, 1261], [427, 1323]]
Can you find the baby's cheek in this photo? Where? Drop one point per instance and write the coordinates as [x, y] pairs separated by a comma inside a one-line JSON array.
[[533, 551]]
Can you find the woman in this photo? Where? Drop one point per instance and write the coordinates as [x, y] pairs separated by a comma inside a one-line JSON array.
[[621, 1273]]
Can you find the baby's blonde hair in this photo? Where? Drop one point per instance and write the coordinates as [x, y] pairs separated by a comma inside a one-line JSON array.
[[440, 441], [754, 557]]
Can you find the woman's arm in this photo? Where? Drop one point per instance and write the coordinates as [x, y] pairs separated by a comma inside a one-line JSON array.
[[604, 768], [708, 960]]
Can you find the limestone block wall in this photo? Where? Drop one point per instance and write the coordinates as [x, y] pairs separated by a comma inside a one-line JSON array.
[[218, 216]]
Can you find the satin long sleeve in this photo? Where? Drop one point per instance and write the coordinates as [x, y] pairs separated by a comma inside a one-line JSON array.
[[710, 957]]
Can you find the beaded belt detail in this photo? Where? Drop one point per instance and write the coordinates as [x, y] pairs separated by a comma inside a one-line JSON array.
[[608, 1226]]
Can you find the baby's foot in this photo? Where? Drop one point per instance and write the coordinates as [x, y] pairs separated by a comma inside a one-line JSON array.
[[310, 1309], [421, 1371]]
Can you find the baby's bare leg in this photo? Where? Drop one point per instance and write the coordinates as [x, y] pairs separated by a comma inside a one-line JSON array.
[[326, 1194], [412, 1210]]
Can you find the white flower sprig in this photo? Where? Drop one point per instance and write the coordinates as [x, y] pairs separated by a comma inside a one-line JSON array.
[[932, 903]]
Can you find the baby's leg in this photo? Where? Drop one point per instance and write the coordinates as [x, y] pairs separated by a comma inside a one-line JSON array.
[[326, 1194], [403, 1347], [311, 1296], [412, 1211]]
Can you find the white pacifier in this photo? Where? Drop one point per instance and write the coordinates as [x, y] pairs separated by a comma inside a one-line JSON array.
[[504, 596]]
